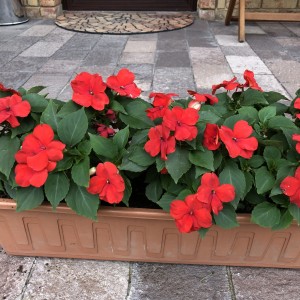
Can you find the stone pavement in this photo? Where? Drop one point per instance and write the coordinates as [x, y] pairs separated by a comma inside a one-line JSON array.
[[206, 53]]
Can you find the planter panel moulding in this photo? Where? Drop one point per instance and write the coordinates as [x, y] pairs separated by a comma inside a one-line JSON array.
[[148, 235]]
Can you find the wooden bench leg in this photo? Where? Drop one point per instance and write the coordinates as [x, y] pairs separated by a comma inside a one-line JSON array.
[[229, 12], [242, 9]]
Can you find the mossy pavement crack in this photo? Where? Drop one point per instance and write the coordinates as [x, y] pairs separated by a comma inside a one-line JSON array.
[[129, 281], [230, 283], [28, 279]]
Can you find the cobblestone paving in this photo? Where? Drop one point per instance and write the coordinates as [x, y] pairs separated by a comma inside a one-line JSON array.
[[39, 53]]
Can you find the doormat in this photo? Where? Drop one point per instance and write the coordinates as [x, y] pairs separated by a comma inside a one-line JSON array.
[[123, 22]]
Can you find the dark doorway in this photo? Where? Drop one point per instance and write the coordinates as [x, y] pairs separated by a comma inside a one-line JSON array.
[[133, 5]]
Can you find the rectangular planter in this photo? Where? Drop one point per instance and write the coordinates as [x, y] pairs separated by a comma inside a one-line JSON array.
[[148, 235]]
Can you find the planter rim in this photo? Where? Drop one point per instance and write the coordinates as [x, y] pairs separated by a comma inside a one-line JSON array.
[[106, 211]]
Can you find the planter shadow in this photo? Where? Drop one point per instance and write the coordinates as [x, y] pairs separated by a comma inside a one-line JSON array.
[[147, 235]]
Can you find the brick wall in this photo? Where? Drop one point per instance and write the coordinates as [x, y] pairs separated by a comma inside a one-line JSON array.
[[42, 8], [216, 9]]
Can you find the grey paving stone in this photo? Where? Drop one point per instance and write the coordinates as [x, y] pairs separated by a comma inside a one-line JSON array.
[[41, 49], [54, 82], [6, 56], [274, 29], [111, 41], [38, 30], [261, 42], [140, 46], [171, 45], [218, 27], [143, 37], [18, 44], [291, 88], [103, 57], [81, 41], [201, 32], [77, 279], [104, 71], [9, 33], [14, 272], [208, 74], [26, 64], [240, 51], [230, 41], [207, 55], [173, 80], [178, 59], [266, 284], [137, 58], [58, 35], [294, 27], [172, 35], [198, 25], [71, 54], [239, 64], [208, 42], [59, 66], [14, 79], [178, 282], [280, 54]]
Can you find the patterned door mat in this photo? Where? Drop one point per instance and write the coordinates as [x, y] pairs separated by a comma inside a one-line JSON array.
[[123, 22]]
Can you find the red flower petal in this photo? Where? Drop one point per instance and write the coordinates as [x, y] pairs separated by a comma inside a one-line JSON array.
[[225, 192], [242, 129], [290, 185], [211, 180], [44, 133], [38, 162]]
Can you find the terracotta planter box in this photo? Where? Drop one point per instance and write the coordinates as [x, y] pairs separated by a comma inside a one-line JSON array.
[[146, 235]]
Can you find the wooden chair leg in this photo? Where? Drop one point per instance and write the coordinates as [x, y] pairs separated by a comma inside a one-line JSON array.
[[242, 9], [229, 12]]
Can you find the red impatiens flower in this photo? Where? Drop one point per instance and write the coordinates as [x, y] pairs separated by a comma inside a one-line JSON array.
[[296, 137], [183, 122], [111, 115], [290, 186], [160, 141], [237, 141], [250, 81], [201, 98], [211, 193], [211, 138], [12, 107], [161, 103], [190, 215], [297, 106], [4, 89], [88, 90], [38, 156], [108, 183], [105, 131], [228, 85], [123, 84]]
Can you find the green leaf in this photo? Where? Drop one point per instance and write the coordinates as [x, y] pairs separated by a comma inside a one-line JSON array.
[[64, 164], [178, 163], [208, 116], [103, 146], [202, 232], [249, 112], [266, 113], [154, 190], [12, 192], [271, 152], [139, 156], [165, 201], [136, 115], [72, 128], [68, 108], [36, 89], [117, 107], [285, 221], [273, 97], [230, 122], [85, 147], [265, 214], [252, 97], [226, 217], [280, 122], [121, 138], [128, 165], [8, 149], [183, 194], [29, 198], [49, 116], [256, 161], [295, 212], [56, 188], [202, 159], [80, 172], [140, 137], [37, 102], [160, 164], [233, 175], [83, 203], [264, 180], [127, 192]]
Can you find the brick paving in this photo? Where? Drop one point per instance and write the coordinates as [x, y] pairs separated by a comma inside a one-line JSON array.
[[39, 53]]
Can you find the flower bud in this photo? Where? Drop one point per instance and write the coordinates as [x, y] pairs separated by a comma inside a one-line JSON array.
[[92, 171], [195, 104]]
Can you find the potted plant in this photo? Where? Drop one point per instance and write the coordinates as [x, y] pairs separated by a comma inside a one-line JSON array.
[[202, 160]]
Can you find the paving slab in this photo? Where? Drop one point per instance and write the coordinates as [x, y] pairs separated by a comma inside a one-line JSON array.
[[70, 279], [103, 57], [14, 79], [207, 55], [26, 64], [172, 45], [38, 30], [266, 284], [178, 59], [14, 272], [59, 66], [140, 46], [42, 49], [178, 282], [137, 58]]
